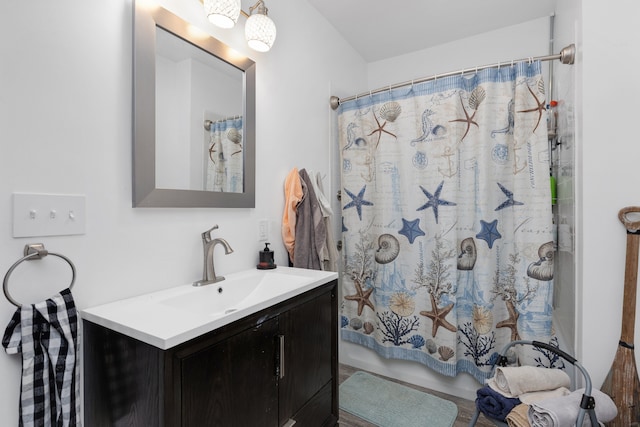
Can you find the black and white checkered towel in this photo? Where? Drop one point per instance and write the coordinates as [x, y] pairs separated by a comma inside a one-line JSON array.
[[46, 334]]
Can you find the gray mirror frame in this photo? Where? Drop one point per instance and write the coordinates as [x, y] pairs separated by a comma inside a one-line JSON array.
[[145, 193]]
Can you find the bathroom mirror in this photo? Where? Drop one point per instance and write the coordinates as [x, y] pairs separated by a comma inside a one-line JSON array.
[[193, 116]]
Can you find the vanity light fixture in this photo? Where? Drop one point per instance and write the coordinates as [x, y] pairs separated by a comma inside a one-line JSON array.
[[222, 13], [259, 31]]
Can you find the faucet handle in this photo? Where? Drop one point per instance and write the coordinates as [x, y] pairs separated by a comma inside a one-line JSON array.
[[206, 236]]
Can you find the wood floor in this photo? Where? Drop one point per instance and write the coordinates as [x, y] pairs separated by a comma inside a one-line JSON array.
[[466, 408]]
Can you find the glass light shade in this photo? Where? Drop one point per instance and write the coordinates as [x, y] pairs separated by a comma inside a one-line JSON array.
[[222, 13], [260, 32]]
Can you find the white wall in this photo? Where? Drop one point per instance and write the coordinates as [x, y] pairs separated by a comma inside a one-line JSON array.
[[173, 112], [608, 157], [514, 42], [65, 127]]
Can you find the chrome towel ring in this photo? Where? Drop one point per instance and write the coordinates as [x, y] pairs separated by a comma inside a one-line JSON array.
[[32, 252]]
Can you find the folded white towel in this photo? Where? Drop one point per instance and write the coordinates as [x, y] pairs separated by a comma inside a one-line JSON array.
[[563, 411], [536, 396], [514, 381]]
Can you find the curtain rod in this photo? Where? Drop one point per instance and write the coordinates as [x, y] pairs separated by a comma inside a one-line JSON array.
[[208, 123], [566, 56]]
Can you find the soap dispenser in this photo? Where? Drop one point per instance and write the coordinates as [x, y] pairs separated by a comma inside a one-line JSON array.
[[266, 258]]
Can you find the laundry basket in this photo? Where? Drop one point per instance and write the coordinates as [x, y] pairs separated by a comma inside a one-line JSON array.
[[587, 404]]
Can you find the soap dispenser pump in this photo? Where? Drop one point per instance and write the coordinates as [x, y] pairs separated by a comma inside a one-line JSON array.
[[266, 258]]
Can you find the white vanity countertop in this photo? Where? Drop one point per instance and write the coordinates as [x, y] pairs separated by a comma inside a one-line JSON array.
[[172, 316]]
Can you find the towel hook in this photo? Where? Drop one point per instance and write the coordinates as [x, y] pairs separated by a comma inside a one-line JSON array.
[[32, 252]]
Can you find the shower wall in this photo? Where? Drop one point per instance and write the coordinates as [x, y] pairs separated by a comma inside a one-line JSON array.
[[563, 166], [564, 169]]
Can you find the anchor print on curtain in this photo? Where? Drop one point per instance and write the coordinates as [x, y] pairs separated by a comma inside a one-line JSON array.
[[225, 163], [447, 222]]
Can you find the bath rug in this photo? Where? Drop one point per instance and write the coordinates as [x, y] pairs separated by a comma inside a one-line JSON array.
[[388, 404]]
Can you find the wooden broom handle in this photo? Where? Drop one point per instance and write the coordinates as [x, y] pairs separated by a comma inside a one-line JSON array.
[[630, 274], [631, 226]]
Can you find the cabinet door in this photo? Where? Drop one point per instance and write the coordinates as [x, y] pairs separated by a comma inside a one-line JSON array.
[[232, 383], [308, 334]]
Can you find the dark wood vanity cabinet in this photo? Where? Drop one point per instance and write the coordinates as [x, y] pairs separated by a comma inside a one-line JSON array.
[[272, 368], [233, 380]]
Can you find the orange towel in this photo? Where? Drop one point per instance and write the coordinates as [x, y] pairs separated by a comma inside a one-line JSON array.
[[518, 416], [293, 196]]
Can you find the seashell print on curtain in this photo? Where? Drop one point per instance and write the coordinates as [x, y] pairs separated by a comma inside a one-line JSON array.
[[447, 222], [225, 163]]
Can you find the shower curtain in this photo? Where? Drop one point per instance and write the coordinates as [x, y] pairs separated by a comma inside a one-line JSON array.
[[447, 222], [225, 163]]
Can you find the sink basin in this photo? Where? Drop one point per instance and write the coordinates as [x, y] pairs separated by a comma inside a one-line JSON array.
[[236, 292], [172, 316]]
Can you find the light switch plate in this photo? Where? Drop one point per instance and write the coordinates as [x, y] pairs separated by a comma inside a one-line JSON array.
[[263, 230], [48, 214]]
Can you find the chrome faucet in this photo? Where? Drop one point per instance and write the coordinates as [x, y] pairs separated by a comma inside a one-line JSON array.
[[209, 272]]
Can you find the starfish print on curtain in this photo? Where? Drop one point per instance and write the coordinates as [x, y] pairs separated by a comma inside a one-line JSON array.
[[357, 201], [511, 322], [438, 316], [510, 200], [476, 98], [381, 129], [361, 297], [540, 107], [489, 232], [434, 200], [411, 229]]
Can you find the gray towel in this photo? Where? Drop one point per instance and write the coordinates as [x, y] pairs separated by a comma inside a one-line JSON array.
[[563, 411], [311, 232]]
